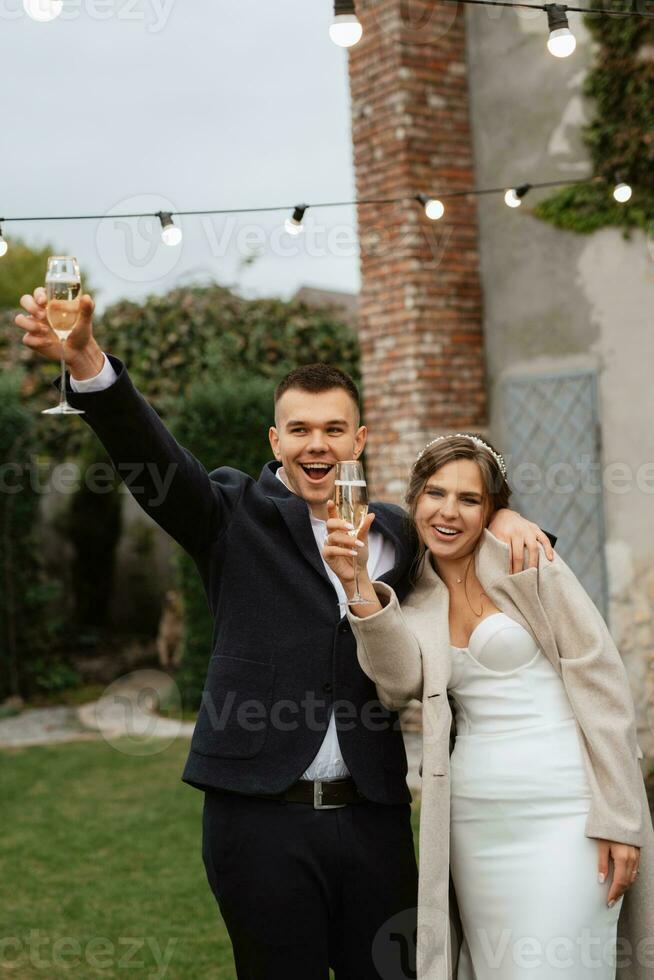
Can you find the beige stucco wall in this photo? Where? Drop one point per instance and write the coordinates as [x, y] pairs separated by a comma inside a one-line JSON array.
[[556, 300]]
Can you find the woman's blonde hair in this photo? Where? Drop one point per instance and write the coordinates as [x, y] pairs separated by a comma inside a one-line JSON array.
[[497, 491]]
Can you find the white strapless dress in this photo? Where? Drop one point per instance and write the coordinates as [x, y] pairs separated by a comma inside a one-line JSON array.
[[525, 876]]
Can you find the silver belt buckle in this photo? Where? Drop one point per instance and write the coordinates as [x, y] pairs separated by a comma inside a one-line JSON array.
[[317, 798]]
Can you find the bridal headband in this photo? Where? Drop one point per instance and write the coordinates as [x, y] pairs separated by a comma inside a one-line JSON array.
[[478, 442]]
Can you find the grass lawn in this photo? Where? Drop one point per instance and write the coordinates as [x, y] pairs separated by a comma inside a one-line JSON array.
[[101, 871]]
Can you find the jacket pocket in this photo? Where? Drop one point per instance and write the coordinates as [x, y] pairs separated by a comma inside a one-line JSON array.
[[235, 714]]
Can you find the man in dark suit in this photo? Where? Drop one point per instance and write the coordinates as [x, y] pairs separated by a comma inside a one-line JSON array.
[[307, 839]]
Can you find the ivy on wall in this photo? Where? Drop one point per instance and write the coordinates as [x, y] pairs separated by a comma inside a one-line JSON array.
[[620, 137]]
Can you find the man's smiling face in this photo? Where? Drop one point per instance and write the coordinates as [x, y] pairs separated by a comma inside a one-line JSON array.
[[312, 432]]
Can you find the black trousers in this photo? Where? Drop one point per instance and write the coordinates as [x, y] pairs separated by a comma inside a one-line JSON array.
[[301, 889]]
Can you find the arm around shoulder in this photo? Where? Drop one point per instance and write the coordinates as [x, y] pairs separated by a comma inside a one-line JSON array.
[[388, 651]]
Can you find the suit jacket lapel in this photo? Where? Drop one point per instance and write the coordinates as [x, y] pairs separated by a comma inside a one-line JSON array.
[[296, 516], [402, 543]]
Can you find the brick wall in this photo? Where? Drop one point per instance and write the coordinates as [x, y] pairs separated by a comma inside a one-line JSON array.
[[420, 312]]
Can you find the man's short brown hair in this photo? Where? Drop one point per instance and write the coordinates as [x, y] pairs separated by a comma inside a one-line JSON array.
[[316, 378]]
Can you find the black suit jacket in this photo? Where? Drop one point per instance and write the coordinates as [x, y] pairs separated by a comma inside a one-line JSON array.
[[282, 657]]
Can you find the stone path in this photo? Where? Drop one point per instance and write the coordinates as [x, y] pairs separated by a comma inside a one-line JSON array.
[[126, 708], [41, 726]]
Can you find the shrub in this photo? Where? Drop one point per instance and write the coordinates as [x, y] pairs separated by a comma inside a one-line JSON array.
[[30, 616], [224, 425]]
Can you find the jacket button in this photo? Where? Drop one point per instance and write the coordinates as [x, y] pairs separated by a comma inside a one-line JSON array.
[[344, 628], [327, 688]]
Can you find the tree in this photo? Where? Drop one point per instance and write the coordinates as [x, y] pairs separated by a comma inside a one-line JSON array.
[[21, 269]]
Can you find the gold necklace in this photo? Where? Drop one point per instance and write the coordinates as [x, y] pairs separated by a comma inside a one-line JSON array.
[[465, 586]]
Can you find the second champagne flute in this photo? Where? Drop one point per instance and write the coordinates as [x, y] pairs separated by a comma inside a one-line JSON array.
[[351, 499]]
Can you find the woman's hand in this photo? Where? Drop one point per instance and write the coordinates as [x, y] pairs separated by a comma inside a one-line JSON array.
[[625, 866], [341, 548]]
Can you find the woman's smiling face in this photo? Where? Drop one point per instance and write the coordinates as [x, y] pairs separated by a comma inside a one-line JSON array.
[[452, 510]]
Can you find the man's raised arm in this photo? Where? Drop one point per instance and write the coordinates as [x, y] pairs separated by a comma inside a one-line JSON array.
[[168, 482]]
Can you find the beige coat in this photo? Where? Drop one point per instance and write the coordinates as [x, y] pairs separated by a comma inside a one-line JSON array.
[[407, 654]]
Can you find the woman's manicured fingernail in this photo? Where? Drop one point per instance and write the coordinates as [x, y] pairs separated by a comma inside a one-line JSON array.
[[601, 878], [360, 544], [611, 903], [355, 553], [350, 527]]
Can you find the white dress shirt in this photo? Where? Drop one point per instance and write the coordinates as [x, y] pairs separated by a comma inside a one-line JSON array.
[[329, 762]]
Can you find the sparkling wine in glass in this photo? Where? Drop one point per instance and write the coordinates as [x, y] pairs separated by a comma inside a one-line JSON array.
[[351, 499], [63, 286]]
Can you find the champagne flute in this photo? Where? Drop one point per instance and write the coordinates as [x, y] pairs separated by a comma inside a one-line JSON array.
[[63, 286], [351, 499]]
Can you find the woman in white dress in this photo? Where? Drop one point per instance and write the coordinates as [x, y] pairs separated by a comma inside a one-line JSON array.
[[539, 886]]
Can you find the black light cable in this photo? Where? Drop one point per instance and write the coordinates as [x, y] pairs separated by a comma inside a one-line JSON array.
[[171, 233], [561, 41]]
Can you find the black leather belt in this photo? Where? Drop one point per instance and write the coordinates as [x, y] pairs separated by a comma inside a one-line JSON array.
[[321, 794], [328, 794], [324, 794]]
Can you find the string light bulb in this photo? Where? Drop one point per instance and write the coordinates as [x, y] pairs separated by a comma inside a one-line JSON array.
[[621, 192], [561, 42], [346, 29], [170, 233], [43, 10], [513, 197], [3, 244], [434, 209], [293, 225]]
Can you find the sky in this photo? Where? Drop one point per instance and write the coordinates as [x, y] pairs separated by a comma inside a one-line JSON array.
[[123, 106]]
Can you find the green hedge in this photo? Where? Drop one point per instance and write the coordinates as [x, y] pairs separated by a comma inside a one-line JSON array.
[[30, 616], [223, 425], [193, 333], [186, 351], [93, 525]]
